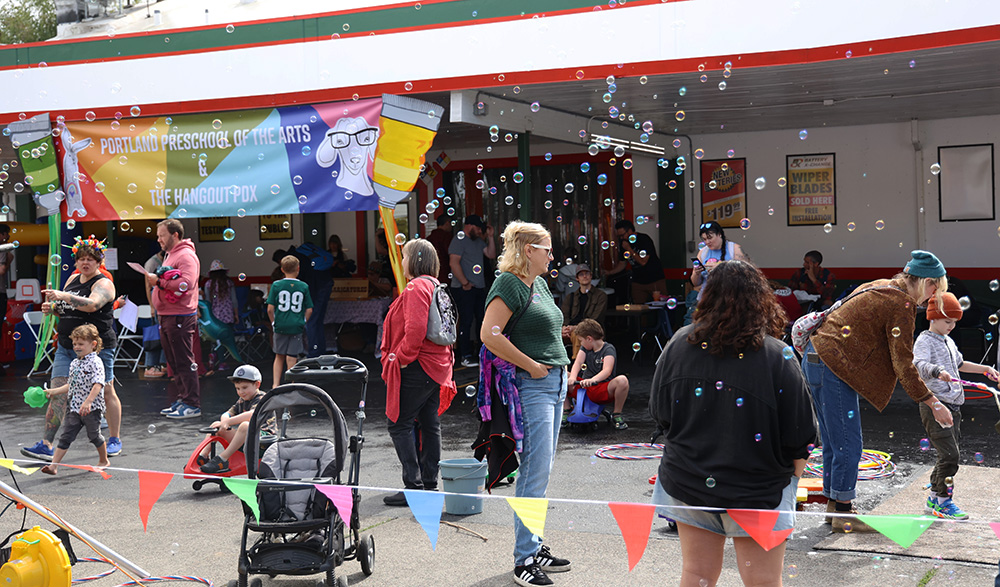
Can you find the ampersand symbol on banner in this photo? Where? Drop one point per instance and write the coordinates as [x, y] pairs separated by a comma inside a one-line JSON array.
[[201, 169]]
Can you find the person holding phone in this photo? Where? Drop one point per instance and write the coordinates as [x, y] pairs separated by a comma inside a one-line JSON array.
[[713, 248]]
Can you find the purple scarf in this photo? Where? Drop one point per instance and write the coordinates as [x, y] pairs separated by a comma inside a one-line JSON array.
[[495, 371]]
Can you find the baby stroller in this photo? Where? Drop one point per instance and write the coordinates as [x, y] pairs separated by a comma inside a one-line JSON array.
[[299, 531]]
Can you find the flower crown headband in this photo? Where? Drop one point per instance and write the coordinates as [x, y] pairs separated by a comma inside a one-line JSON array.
[[91, 241]]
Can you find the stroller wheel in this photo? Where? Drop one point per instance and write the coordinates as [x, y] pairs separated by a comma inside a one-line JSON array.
[[366, 554], [256, 582], [232, 583]]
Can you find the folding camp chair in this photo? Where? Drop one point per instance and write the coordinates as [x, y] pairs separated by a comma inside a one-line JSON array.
[[131, 341], [34, 322]]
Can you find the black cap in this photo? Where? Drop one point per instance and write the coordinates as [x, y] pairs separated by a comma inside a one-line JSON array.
[[475, 221]]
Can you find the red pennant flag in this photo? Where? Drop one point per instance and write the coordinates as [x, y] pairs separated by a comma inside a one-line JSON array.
[[996, 528], [759, 524], [99, 470], [151, 487], [634, 521]]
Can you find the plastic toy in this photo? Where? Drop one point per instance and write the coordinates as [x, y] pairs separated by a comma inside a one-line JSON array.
[[35, 397], [192, 470], [586, 413]]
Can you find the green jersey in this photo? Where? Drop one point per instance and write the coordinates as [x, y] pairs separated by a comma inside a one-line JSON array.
[[290, 298]]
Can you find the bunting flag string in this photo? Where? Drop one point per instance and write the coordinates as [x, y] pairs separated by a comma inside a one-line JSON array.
[[531, 511], [635, 520], [152, 484], [426, 508], [759, 524]]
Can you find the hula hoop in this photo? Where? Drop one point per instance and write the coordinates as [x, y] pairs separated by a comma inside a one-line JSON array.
[[110, 571], [168, 578], [605, 451], [972, 393], [874, 464]]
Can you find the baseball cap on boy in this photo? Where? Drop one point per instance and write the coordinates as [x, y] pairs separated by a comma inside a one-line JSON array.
[[245, 373]]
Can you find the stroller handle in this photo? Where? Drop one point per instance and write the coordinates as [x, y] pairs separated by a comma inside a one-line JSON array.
[[328, 363]]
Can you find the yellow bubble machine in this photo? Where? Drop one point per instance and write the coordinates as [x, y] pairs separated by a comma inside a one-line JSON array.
[[37, 559]]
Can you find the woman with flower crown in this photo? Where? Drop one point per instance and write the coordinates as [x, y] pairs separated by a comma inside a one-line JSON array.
[[87, 298]]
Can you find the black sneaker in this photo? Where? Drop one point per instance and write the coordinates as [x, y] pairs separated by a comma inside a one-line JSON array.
[[215, 466], [397, 499], [549, 563], [530, 574]]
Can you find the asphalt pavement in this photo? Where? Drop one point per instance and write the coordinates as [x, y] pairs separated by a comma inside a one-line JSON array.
[[198, 532]]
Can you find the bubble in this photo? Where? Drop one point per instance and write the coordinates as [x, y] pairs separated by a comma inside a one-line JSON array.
[[174, 548], [90, 116], [704, 346], [228, 234], [55, 260], [848, 527], [636, 347], [879, 224], [925, 444], [788, 353], [803, 134], [132, 188], [993, 319], [679, 115], [757, 437], [698, 391], [699, 153], [135, 111], [151, 428], [964, 302], [781, 182], [739, 402], [518, 177], [895, 331], [495, 330], [242, 276], [978, 457], [935, 168], [619, 151], [671, 303], [71, 224], [745, 224], [851, 226], [722, 86], [569, 187], [259, 251], [275, 189], [585, 167], [770, 211], [710, 482], [477, 269], [845, 331]]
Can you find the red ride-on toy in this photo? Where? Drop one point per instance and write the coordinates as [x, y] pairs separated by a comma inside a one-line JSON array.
[[237, 463]]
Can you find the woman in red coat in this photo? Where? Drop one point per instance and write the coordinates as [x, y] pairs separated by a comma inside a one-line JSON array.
[[416, 371]]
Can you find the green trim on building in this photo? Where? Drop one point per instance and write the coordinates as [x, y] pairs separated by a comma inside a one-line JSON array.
[[375, 20]]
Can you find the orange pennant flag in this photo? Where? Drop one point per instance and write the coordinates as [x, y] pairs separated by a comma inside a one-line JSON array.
[[759, 524], [99, 470], [151, 487], [634, 521]]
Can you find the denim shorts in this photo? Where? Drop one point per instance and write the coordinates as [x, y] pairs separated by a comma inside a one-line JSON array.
[[717, 520], [60, 366]]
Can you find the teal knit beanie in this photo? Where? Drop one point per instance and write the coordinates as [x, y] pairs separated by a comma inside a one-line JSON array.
[[924, 264]]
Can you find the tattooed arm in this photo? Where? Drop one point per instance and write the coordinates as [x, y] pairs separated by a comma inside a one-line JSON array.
[[102, 293]]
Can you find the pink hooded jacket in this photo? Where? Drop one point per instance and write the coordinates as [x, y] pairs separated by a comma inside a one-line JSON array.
[[183, 258]]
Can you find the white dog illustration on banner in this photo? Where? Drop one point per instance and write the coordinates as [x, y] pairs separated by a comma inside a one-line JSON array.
[[352, 140], [71, 173]]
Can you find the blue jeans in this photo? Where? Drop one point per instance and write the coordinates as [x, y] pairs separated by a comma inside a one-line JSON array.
[[315, 326], [64, 356], [541, 410], [839, 419]]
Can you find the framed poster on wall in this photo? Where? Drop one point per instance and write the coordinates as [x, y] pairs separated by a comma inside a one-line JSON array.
[[812, 189], [965, 183], [212, 229], [275, 227], [724, 191]]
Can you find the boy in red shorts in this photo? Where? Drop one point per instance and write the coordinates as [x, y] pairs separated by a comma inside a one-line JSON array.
[[595, 365]]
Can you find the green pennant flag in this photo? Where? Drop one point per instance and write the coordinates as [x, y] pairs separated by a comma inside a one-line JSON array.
[[903, 530], [245, 489]]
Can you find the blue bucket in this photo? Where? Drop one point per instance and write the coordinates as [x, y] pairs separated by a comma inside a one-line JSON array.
[[463, 476]]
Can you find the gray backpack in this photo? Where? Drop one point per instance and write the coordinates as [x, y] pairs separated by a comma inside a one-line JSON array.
[[442, 317]]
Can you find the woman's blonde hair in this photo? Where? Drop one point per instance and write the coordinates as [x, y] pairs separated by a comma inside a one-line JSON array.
[[919, 284], [515, 237]]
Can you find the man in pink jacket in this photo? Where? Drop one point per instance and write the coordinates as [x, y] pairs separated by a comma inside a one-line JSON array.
[[175, 299]]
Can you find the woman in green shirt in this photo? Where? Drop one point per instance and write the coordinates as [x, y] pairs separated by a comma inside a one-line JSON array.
[[535, 347]]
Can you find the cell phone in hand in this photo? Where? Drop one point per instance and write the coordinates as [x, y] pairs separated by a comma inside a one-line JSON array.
[[695, 261]]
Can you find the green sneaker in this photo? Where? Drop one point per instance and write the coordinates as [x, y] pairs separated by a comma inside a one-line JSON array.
[[618, 421]]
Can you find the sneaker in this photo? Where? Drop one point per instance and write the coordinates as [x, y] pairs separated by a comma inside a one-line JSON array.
[[39, 451], [184, 412], [215, 466], [549, 563], [114, 447], [395, 499], [530, 574], [845, 525], [619, 422], [565, 421], [470, 362], [171, 408], [948, 510]]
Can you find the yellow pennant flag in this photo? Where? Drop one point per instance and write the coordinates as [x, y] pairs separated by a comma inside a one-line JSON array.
[[9, 464], [532, 512]]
